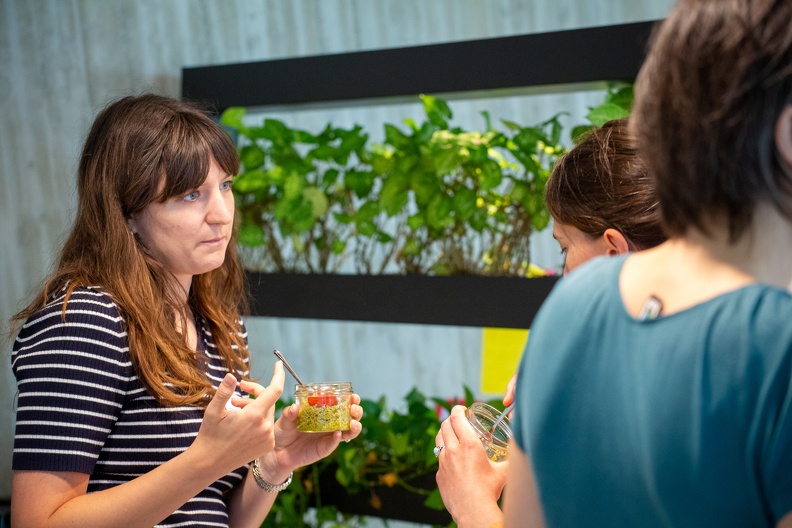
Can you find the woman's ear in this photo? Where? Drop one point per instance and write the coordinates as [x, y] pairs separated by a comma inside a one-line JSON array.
[[616, 243], [131, 224], [783, 137]]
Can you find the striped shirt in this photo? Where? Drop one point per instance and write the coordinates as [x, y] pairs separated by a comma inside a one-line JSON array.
[[82, 408]]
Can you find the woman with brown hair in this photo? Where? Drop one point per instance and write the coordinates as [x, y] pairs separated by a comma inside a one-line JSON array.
[[680, 415], [132, 360], [603, 203], [602, 200]]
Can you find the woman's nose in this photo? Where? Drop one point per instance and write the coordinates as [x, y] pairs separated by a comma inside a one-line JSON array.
[[221, 208]]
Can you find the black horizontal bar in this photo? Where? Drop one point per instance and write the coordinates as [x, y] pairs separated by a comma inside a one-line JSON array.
[[606, 53], [496, 302]]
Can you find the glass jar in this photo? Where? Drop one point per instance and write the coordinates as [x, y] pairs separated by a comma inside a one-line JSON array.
[[323, 407], [482, 416]]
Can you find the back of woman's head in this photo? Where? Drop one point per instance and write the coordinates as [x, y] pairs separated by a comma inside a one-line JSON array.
[[601, 183], [717, 76]]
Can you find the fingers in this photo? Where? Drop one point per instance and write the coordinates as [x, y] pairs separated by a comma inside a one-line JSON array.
[[508, 398], [460, 423], [269, 394], [355, 427], [447, 435], [456, 429], [278, 379], [223, 394]]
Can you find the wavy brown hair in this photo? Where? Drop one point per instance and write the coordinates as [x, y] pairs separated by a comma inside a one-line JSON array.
[[602, 183], [141, 150]]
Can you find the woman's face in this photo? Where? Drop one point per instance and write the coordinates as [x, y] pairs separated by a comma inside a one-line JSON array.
[[577, 246], [189, 234]]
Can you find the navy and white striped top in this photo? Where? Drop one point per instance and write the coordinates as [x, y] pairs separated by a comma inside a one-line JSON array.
[[82, 408]]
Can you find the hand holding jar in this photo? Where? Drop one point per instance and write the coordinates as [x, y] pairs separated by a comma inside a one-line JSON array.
[[310, 429], [470, 482]]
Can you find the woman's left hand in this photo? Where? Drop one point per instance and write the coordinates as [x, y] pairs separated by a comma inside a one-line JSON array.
[[294, 449]]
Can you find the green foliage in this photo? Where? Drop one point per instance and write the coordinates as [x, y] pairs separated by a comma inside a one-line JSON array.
[[617, 104], [291, 186], [430, 199], [464, 202], [393, 449]]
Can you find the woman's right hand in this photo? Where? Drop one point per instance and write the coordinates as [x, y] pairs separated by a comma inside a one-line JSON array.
[[240, 435], [226, 440]]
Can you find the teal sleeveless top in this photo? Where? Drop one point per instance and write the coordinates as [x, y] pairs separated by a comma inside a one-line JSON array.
[[683, 420]]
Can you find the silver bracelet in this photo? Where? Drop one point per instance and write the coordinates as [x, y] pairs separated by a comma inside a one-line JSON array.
[[266, 486]]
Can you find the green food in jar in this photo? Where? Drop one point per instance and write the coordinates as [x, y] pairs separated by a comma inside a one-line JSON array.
[[324, 418]]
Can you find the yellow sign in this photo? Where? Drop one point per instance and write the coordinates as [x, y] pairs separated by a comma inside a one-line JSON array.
[[501, 351]]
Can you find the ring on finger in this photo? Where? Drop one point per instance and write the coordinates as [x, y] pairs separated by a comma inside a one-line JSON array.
[[437, 450]]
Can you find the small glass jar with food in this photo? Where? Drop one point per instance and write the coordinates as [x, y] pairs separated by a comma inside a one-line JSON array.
[[496, 441], [323, 407]]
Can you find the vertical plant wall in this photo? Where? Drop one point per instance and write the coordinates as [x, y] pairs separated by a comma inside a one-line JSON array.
[[430, 199]]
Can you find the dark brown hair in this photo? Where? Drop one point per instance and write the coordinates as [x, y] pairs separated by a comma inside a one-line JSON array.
[[601, 183], [717, 76], [142, 150]]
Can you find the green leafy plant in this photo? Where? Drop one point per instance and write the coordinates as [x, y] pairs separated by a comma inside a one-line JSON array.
[[429, 200], [290, 189], [394, 450], [462, 202]]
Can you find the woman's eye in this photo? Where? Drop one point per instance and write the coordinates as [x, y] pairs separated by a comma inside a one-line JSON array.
[[226, 185], [192, 196]]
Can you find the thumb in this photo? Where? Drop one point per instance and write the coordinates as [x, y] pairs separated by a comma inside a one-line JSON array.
[[223, 394]]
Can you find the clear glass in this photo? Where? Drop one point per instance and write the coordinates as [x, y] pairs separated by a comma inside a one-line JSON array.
[[323, 406], [482, 417]]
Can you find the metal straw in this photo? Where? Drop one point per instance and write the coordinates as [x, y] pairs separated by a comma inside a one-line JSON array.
[[288, 367], [500, 418]]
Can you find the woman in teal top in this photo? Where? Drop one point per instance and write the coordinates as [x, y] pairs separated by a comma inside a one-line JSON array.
[[656, 389], [680, 420]]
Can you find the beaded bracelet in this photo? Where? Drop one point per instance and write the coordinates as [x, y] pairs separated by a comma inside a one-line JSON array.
[[266, 486]]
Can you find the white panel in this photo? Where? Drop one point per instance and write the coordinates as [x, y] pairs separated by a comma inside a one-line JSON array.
[[378, 358]]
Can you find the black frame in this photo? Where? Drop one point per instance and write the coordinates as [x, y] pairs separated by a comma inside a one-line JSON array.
[[578, 56], [469, 300]]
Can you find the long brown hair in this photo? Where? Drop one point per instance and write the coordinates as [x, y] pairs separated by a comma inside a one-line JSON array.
[[142, 150], [601, 183]]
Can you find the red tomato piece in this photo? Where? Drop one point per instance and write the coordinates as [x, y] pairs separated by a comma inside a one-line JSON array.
[[322, 400]]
